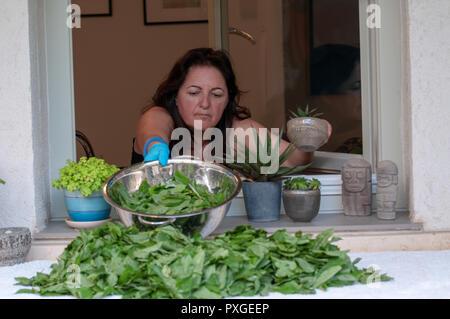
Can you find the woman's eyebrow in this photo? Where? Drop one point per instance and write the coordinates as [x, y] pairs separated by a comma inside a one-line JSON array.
[[199, 87]]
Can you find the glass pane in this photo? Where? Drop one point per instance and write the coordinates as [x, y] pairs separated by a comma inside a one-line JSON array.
[[305, 52], [322, 66]]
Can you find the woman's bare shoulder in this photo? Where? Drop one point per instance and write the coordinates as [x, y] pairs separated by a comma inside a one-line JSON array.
[[156, 112], [156, 109]]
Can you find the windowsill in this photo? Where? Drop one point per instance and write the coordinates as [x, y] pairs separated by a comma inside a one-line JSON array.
[[59, 230], [339, 222]]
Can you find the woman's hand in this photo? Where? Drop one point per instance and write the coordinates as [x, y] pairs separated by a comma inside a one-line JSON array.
[[158, 151], [330, 130]]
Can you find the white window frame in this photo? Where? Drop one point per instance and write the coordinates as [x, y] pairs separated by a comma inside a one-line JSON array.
[[381, 87], [60, 95]]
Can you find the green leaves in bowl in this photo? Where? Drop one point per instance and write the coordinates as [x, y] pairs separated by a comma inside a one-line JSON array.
[[179, 195]]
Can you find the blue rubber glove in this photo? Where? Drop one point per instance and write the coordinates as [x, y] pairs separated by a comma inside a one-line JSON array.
[[159, 151]]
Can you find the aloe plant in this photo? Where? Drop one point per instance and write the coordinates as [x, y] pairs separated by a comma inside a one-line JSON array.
[[253, 171], [306, 112]]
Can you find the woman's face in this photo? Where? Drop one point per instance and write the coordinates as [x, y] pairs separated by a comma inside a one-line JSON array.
[[203, 96]]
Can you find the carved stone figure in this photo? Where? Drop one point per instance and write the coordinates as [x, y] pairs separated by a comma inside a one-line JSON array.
[[357, 187], [387, 187]]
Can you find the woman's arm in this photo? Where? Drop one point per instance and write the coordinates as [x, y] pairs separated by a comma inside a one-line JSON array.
[[156, 122], [297, 157]]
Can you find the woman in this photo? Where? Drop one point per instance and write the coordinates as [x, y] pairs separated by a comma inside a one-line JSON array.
[[200, 86]]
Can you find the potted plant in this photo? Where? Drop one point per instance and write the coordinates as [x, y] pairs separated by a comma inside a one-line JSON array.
[[82, 183], [307, 130], [262, 191], [15, 243], [301, 198]]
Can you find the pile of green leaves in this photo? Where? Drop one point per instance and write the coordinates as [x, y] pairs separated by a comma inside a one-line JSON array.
[[302, 183], [179, 195], [164, 263], [86, 176]]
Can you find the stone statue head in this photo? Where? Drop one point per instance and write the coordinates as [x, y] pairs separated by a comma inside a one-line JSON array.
[[356, 175], [387, 174]]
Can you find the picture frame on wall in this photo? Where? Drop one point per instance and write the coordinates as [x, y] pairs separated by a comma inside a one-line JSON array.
[[94, 8], [175, 11]]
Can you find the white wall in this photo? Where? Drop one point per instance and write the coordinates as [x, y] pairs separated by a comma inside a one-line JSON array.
[[429, 34], [23, 120]]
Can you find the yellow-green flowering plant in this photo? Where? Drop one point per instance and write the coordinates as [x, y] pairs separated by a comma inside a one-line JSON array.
[[86, 176]]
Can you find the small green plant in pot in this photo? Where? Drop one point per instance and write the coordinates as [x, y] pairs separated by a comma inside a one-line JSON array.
[[262, 187], [82, 183], [301, 198], [307, 130]]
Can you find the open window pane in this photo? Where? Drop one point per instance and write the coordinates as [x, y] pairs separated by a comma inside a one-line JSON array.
[[322, 66]]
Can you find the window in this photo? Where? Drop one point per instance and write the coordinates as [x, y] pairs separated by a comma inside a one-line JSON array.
[[380, 92]]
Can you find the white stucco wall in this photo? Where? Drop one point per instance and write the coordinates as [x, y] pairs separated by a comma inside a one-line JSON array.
[[23, 143], [429, 44]]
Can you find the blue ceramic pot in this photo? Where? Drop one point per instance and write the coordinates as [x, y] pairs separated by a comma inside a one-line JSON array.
[[86, 209], [262, 200]]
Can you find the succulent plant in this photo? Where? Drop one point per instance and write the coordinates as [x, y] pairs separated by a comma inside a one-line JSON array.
[[302, 183], [306, 112], [253, 171]]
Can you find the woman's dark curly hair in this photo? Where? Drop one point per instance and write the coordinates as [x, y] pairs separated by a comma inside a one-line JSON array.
[[167, 91]]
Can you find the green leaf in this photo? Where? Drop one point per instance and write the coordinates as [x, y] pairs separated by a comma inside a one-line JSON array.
[[181, 178], [143, 253], [284, 268], [326, 275], [205, 293], [304, 265], [290, 287]]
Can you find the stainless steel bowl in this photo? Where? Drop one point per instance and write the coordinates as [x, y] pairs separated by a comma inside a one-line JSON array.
[[208, 174]]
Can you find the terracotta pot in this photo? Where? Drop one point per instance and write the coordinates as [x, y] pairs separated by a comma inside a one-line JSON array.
[[307, 133]]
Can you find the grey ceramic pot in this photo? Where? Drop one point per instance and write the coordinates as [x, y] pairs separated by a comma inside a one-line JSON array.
[[262, 200], [15, 243], [301, 205], [307, 133]]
